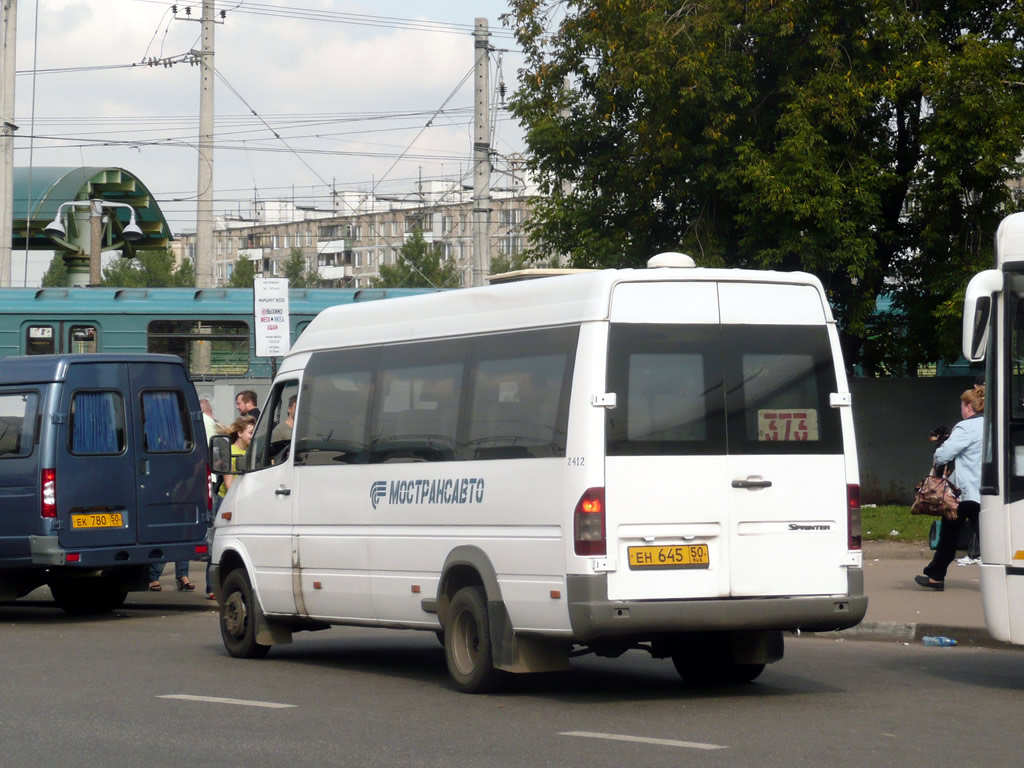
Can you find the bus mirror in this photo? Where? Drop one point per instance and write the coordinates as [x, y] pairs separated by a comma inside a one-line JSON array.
[[978, 312], [220, 455]]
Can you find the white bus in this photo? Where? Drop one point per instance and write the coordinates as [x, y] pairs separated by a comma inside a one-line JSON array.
[[994, 331], [660, 459]]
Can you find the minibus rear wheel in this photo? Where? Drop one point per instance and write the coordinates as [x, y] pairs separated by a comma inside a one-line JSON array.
[[467, 642], [238, 617]]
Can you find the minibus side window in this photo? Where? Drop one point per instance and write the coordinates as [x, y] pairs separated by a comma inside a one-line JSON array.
[[17, 423], [418, 413], [334, 404], [282, 404], [518, 403], [166, 427], [97, 423]]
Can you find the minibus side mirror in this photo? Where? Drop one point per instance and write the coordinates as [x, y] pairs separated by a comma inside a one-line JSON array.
[[978, 312], [220, 455]]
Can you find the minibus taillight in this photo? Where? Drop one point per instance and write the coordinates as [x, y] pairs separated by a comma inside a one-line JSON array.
[[209, 490], [588, 524], [48, 503], [853, 516]]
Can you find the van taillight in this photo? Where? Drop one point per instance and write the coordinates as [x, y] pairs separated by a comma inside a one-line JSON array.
[[853, 516], [48, 503], [588, 524], [209, 490]]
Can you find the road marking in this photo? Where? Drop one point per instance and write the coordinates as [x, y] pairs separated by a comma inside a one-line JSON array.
[[643, 740], [218, 700]]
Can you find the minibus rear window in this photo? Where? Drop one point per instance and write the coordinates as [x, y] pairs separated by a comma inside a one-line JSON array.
[[165, 422], [709, 389], [97, 423]]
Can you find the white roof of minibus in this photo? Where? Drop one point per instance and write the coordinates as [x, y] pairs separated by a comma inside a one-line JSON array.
[[527, 304], [1010, 239]]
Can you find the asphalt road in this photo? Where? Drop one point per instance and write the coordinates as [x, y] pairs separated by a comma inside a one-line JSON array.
[[150, 687]]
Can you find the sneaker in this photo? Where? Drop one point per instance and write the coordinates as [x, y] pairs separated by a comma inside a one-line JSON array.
[[968, 560]]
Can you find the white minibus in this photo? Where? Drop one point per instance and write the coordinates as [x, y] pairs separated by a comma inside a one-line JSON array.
[[993, 330], [659, 459]]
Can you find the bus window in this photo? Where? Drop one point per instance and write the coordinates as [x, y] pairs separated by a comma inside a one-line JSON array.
[[39, 340], [208, 347], [82, 338]]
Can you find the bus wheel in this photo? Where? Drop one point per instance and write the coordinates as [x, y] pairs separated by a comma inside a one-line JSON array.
[[238, 618], [81, 597], [714, 670], [467, 642]]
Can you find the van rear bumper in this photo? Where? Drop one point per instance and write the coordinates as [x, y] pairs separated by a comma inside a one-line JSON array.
[[46, 550], [592, 615]]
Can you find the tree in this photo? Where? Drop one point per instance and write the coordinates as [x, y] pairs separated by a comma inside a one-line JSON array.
[[867, 142], [243, 275], [56, 275], [299, 274], [149, 269], [420, 265]]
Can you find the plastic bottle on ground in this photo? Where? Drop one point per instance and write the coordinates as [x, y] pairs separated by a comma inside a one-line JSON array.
[[941, 641]]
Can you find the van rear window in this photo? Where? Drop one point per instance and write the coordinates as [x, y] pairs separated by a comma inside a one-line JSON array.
[[97, 423], [710, 390], [165, 422], [17, 423]]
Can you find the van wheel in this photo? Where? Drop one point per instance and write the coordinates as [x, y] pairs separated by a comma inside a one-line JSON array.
[[467, 642], [82, 597], [714, 670], [238, 618]]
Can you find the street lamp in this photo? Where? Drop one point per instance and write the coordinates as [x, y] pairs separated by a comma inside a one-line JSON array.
[[131, 231]]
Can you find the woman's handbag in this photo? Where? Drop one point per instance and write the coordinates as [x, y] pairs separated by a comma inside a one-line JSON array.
[[935, 495]]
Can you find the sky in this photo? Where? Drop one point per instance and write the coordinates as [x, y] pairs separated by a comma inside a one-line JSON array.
[[353, 90]]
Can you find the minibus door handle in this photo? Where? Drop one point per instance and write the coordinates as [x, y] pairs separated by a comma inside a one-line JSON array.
[[751, 483], [282, 491], [144, 467]]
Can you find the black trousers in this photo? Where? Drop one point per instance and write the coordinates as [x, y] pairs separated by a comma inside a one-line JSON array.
[[949, 535]]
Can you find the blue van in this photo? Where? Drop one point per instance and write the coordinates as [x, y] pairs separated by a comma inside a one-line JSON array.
[[103, 470]]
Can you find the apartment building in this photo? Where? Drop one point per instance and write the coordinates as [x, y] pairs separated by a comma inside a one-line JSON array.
[[348, 244]]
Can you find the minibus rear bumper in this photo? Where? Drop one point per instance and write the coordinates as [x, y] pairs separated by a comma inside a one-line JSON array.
[[47, 550], [593, 615]]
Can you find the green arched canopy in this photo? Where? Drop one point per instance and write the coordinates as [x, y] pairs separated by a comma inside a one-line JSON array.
[[36, 204]]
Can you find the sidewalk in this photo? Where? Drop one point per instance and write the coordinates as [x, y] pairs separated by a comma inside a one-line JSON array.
[[899, 610]]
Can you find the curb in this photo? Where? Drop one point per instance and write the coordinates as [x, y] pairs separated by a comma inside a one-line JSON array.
[[892, 631]]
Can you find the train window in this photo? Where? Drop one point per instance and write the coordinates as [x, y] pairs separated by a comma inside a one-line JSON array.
[[40, 340], [82, 338], [208, 347]]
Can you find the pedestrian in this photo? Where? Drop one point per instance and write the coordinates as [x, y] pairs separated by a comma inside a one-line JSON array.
[[964, 447], [212, 426], [245, 402]]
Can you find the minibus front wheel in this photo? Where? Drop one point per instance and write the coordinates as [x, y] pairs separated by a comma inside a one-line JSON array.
[[238, 617], [467, 642]]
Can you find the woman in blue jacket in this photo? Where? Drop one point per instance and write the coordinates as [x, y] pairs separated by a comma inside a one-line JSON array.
[[964, 447]]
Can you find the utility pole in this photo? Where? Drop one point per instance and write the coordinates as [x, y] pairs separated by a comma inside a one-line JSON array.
[[204, 196], [8, 41], [481, 158]]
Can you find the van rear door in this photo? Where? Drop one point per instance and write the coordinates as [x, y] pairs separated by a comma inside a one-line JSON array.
[[171, 455], [725, 473], [95, 458]]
